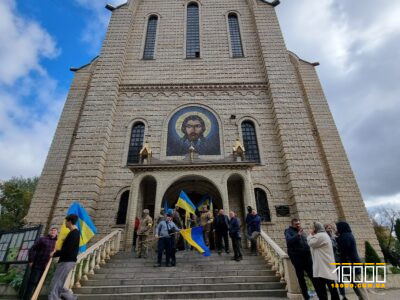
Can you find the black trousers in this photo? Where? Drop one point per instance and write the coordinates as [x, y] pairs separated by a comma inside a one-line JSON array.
[[321, 284], [222, 235], [303, 263], [236, 247], [173, 250], [33, 281], [164, 244]]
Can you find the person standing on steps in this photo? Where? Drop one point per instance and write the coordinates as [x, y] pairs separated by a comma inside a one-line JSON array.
[[254, 229], [38, 257], [221, 226], [299, 254], [143, 233], [68, 254], [234, 233], [206, 219], [164, 232]]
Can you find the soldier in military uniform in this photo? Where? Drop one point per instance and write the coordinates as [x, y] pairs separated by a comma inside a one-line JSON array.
[[143, 233], [206, 219]]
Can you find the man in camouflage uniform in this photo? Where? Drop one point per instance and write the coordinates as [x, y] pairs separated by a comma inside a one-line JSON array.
[[146, 223], [206, 219]]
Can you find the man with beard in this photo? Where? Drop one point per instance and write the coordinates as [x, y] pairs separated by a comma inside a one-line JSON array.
[[193, 128]]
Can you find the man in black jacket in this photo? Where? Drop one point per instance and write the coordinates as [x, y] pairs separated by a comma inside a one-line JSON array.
[[221, 226], [299, 253], [68, 254], [234, 232]]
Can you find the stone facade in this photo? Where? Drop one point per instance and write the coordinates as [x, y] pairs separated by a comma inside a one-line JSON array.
[[303, 164]]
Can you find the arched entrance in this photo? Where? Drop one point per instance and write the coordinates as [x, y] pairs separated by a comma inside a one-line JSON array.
[[236, 200], [196, 187], [147, 195]]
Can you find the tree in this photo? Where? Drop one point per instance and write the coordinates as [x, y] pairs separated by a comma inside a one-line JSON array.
[[397, 229], [15, 197], [370, 254]]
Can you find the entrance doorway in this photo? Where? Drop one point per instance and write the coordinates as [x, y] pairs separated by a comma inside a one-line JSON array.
[[196, 187], [236, 201], [147, 195]]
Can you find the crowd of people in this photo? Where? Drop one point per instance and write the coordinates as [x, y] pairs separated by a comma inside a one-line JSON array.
[[314, 254], [217, 228], [311, 254]]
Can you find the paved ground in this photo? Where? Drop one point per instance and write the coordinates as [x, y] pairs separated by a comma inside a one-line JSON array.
[[379, 294], [384, 294]]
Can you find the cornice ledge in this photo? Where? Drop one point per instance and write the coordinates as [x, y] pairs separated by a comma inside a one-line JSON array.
[[213, 166], [193, 87]]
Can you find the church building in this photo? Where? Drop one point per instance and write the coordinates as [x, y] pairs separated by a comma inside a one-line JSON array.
[[200, 96]]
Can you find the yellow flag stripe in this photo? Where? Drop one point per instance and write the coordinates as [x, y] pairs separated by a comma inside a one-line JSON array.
[[187, 235]]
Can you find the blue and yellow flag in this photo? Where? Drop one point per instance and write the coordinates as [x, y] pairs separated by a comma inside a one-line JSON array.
[[206, 200], [85, 226], [194, 237], [185, 203]]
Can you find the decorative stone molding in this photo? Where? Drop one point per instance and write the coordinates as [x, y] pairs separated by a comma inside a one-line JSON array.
[[145, 154], [123, 88], [194, 166], [238, 151]]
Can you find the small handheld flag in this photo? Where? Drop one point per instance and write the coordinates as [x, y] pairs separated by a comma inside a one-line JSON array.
[[85, 226], [194, 237]]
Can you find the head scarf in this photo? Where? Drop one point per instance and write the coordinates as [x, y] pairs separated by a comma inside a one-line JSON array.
[[318, 227], [343, 227]]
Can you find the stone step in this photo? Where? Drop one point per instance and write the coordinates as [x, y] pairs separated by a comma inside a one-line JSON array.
[[188, 295], [185, 280], [182, 268], [227, 257], [178, 287], [177, 273], [189, 254], [212, 264]]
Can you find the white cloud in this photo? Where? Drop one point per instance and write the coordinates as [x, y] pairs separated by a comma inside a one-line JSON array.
[[357, 44], [392, 201], [94, 31], [23, 43], [30, 101]]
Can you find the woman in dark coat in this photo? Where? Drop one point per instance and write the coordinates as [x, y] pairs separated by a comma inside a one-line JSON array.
[[348, 254]]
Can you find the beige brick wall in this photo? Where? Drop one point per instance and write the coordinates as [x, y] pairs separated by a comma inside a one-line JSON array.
[[299, 168]]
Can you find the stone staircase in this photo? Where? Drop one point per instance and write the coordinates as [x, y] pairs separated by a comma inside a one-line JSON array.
[[194, 277]]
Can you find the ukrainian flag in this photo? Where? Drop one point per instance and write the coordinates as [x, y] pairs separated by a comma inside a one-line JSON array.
[[206, 200], [194, 237], [185, 203], [85, 226]]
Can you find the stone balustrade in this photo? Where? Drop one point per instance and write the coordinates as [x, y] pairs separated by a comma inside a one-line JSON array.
[[93, 258], [280, 263]]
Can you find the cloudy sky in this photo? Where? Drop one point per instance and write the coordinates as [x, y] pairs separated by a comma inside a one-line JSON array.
[[356, 42]]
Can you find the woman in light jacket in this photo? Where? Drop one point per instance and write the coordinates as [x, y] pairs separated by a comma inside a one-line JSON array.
[[322, 256]]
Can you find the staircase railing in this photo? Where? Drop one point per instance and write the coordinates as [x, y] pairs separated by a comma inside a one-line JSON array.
[[281, 263], [93, 258]]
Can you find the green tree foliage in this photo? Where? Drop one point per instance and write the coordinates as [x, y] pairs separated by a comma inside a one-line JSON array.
[[15, 198], [397, 229], [370, 254]]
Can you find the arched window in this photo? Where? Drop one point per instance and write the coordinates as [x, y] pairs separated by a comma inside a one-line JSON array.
[[234, 33], [192, 31], [250, 141], [122, 208], [136, 143], [150, 42], [262, 205]]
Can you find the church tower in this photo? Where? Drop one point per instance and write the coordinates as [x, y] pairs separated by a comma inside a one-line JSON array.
[[200, 96]]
